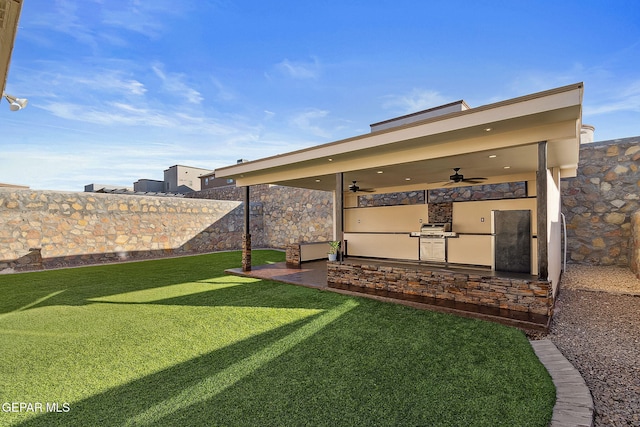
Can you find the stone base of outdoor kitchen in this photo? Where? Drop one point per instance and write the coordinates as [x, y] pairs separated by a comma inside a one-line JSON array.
[[506, 296]]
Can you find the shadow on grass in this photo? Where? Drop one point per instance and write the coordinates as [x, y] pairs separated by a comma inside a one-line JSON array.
[[159, 396], [358, 362], [78, 286]]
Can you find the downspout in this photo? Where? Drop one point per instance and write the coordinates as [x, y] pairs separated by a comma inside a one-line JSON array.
[[564, 238]]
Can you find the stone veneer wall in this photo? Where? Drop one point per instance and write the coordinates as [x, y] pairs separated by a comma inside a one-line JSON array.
[[600, 201], [528, 296], [441, 213], [43, 229], [392, 199], [289, 215], [506, 190]]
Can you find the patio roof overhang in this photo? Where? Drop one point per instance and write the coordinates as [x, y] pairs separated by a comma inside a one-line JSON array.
[[9, 17], [422, 154]]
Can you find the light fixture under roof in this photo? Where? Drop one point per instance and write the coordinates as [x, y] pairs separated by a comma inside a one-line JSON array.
[[380, 172], [407, 179], [15, 104], [493, 156], [487, 129]]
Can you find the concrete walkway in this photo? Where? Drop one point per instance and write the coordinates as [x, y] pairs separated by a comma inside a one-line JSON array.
[[574, 404]]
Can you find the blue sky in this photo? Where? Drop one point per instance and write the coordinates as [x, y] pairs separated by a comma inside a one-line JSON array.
[[123, 89]]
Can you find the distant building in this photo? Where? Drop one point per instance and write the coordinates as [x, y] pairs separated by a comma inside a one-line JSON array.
[[183, 179], [5, 185], [148, 186], [210, 181], [105, 188]]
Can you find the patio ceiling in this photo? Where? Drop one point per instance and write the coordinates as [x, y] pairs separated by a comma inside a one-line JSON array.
[[497, 141]]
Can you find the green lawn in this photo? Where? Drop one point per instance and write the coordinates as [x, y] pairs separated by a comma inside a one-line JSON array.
[[177, 342]]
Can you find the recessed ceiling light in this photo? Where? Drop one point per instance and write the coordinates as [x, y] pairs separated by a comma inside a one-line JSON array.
[[493, 156], [507, 167], [407, 179], [317, 180], [330, 159], [380, 172], [487, 129]]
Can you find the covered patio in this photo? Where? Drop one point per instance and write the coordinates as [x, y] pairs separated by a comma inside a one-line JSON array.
[[513, 154]]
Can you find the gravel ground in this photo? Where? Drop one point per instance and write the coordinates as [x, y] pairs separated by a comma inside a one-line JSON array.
[[596, 325]]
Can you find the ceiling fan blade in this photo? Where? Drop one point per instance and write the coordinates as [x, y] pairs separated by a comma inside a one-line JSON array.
[[474, 180]]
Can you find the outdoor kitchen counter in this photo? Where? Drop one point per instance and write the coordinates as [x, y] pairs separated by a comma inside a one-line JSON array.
[[394, 245]]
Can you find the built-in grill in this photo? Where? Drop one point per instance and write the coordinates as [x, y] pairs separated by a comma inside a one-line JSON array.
[[433, 242]]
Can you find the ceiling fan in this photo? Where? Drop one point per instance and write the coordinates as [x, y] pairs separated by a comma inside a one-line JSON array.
[[354, 188], [457, 178]]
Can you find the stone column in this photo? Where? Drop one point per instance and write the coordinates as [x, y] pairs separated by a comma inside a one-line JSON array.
[[246, 237], [293, 255], [246, 252]]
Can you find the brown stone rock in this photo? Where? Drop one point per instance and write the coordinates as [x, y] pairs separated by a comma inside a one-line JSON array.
[[632, 150], [612, 151], [610, 176], [615, 218]]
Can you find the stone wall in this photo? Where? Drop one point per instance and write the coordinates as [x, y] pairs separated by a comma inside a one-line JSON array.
[[289, 215], [507, 190], [599, 202], [53, 229], [440, 213], [521, 295], [392, 199], [46, 229]]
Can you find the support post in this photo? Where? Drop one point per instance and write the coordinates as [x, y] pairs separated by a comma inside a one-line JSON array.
[[338, 213], [541, 205], [246, 236]]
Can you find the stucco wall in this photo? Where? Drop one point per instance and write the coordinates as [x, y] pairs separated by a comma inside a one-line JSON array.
[[600, 201]]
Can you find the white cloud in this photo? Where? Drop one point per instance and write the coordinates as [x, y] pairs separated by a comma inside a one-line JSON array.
[[174, 83], [299, 69], [223, 92], [415, 100], [308, 121], [626, 98]]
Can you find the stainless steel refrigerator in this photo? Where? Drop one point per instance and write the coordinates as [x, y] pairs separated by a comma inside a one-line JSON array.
[[511, 231]]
